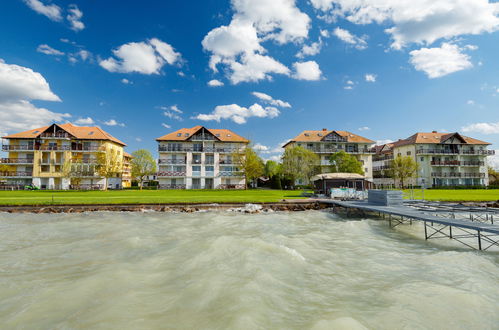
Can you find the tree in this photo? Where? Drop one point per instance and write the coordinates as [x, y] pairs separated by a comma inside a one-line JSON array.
[[250, 163], [299, 163], [404, 167], [143, 164], [273, 170], [493, 177], [342, 162], [108, 165]]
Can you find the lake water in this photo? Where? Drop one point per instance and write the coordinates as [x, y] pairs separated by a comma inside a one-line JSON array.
[[223, 270]]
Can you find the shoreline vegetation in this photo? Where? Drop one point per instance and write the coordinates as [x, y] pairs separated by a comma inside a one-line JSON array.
[[200, 199]]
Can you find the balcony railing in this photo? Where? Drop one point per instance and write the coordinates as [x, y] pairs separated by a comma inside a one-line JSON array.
[[85, 174], [458, 175], [231, 186], [16, 160], [456, 152], [172, 186], [8, 147], [230, 173], [457, 163], [226, 161], [381, 168], [192, 149], [61, 135], [334, 150], [170, 173], [12, 187], [171, 161], [16, 174]]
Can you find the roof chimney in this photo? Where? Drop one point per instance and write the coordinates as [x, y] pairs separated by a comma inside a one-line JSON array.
[[324, 129], [434, 131]]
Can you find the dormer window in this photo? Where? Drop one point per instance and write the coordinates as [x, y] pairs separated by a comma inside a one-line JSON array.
[[228, 135], [306, 134], [186, 134], [91, 133], [319, 134], [217, 135], [179, 134]]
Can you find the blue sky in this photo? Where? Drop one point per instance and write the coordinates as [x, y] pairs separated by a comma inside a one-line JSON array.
[[383, 72]]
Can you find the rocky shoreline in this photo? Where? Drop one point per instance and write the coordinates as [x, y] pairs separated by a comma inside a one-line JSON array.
[[183, 208]]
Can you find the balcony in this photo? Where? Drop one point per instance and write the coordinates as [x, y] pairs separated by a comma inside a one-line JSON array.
[[171, 161], [455, 152], [226, 162], [16, 174], [173, 149], [172, 186], [170, 173], [9, 147], [16, 160], [458, 175], [85, 175], [334, 150], [60, 135]]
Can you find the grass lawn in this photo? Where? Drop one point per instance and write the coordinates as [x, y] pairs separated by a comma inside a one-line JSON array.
[[456, 195], [145, 196]]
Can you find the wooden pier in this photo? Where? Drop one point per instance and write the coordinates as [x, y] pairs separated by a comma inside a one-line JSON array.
[[486, 235]]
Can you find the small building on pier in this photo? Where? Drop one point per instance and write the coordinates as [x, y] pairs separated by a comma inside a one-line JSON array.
[[323, 183]]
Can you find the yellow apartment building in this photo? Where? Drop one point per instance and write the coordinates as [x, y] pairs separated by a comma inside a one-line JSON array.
[[59, 157], [126, 178]]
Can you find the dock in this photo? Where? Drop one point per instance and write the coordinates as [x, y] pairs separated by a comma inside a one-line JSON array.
[[484, 234]]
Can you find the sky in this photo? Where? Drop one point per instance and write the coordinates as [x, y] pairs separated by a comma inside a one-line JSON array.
[[267, 70]]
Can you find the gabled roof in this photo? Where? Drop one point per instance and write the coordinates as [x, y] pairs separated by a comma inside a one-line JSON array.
[[79, 132], [223, 135], [436, 138], [126, 154], [317, 136]]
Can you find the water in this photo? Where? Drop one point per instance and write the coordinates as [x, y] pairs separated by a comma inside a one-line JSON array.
[[304, 270]]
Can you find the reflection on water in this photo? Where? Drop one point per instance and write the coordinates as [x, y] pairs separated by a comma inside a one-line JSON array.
[[237, 271]]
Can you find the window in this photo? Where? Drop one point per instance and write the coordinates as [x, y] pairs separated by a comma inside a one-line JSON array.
[[399, 154], [179, 134], [196, 168], [186, 134], [408, 153], [210, 168], [366, 170], [422, 159]]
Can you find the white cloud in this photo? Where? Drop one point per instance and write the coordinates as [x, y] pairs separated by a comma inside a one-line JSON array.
[[143, 57], [239, 114], [47, 50], [438, 62], [260, 147], [74, 18], [112, 122], [84, 121], [172, 115], [381, 142], [364, 128], [270, 100], [307, 71], [470, 102], [324, 33], [176, 109], [313, 49], [166, 125], [126, 81], [349, 38], [349, 85], [238, 47], [53, 12], [493, 161], [483, 128], [369, 77], [422, 21], [138, 139], [215, 83]]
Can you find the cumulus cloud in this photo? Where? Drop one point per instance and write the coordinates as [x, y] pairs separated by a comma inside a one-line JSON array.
[[74, 18], [146, 57], [166, 126], [440, 61], [422, 21], [172, 112], [112, 122], [493, 161], [126, 81], [239, 114], [349, 38], [237, 46], [310, 50], [364, 128], [84, 121], [47, 50], [270, 100], [483, 128], [369, 77], [307, 71], [53, 12], [215, 83]]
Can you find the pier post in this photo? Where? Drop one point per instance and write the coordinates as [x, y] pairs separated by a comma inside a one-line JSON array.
[[450, 232], [479, 241], [425, 231]]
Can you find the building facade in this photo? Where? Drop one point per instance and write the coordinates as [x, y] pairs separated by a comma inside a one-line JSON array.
[[59, 157], [200, 158], [444, 159], [126, 177], [325, 143]]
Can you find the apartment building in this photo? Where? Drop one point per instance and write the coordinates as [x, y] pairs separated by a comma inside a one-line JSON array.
[[126, 177], [58, 157], [327, 142], [200, 158], [445, 159]]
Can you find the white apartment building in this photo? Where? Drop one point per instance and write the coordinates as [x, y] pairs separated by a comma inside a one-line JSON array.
[[445, 159], [327, 142], [200, 158]]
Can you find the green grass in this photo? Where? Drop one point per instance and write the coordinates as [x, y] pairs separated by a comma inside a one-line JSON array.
[[456, 194], [145, 196]]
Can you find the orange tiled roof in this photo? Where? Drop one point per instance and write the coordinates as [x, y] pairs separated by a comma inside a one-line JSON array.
[[317, 136], [223, 135], [126, 154], [79, 132], [435, 138]]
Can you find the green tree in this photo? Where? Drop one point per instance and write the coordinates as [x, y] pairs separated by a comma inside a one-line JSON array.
[[143, 164], [108, 165], [299, 163], [404, 167], [493, 177], [273, 171], [250, 163], [342, 162]]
